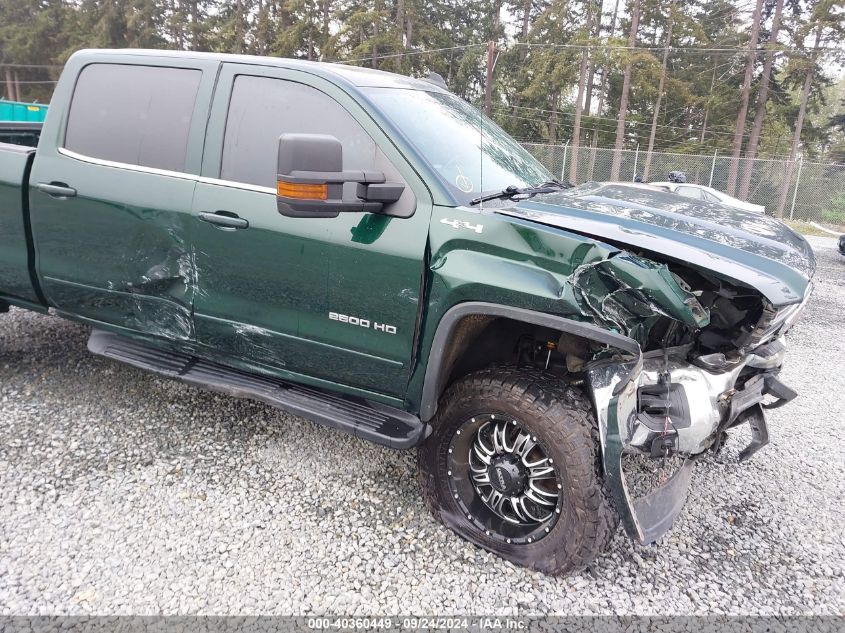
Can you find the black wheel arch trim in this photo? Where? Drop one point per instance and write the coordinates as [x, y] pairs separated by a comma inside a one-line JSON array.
[[435, 376]]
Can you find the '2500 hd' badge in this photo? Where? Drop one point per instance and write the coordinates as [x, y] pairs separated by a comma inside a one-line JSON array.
[[353, 320]]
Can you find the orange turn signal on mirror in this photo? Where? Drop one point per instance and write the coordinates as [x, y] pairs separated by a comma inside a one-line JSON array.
[[302, 191]]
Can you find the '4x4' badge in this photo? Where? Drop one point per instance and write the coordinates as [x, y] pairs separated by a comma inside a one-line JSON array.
[[460, 224]]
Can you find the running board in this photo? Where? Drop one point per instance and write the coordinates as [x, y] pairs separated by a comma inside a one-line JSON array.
[[371, 421]]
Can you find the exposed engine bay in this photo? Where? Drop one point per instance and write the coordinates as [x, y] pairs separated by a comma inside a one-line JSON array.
[[689, 385], [698, 375], [725, 317]]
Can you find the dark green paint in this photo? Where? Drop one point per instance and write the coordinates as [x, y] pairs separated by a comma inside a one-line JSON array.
[[15, 244], [130, 254]]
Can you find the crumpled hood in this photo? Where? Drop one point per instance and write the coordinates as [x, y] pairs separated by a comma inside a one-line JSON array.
[[748, 247]]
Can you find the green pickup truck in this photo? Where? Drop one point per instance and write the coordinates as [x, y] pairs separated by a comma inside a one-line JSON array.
[[367, 251]]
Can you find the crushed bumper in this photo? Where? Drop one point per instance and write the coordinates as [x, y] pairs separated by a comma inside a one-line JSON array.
[[659, 407]]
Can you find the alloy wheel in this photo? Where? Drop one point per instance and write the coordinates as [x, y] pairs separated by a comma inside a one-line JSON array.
[[502, 479]]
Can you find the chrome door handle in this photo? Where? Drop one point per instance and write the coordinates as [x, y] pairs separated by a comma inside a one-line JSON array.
[[224, 220], [56, 189]]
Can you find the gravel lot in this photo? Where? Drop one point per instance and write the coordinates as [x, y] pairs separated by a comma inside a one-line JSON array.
[[126, 493]]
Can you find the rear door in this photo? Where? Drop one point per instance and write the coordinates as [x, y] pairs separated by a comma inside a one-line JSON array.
[[15, 280], [112, 188], [320, 299]]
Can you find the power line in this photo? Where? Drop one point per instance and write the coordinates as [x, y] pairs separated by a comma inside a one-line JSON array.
[[683, 137], [589, 124], [690, 49], [603, 46], [600, 125], [408, 53]]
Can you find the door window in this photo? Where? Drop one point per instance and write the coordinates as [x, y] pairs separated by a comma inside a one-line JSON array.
[[138, 115], [263, 108]]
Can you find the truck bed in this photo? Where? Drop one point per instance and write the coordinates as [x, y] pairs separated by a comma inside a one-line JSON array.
[[24, 133]]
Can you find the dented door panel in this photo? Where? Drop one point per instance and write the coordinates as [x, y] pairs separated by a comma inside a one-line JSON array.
[[118, 253], [277, 292], [332, 298]]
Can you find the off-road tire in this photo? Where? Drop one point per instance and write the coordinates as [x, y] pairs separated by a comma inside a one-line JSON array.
[[563, 420]]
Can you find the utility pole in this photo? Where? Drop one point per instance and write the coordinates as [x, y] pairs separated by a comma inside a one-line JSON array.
[[10, 86], [604, 73], [239, 28], [579, 100], [488, 81], [707, 106]]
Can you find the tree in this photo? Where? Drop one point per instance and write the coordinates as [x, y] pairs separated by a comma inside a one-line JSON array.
[[229, 27], [660, 86], [41, 32], [626, 86], [833, 117], [744, 96], [547, 72], [823, 24], [676, 76], [601, 59], [762, 101]]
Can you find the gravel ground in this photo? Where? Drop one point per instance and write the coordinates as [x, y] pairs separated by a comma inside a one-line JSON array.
[[126, 493]]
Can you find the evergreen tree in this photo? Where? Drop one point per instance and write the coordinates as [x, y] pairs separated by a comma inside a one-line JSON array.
[[577, 71]]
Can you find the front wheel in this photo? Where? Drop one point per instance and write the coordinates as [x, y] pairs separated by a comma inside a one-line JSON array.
[[512, 465]]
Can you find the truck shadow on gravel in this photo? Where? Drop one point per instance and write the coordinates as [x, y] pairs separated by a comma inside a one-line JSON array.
[[93, 414], [82, 420], [92, 419], [83, 425]]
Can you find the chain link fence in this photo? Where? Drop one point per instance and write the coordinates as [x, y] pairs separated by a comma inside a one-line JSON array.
[[816, 191]]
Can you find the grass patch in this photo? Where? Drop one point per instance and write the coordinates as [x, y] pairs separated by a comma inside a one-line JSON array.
[[805, 228]]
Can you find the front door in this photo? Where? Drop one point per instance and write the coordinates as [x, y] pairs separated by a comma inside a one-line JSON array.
[[111, 196], [326, 299]]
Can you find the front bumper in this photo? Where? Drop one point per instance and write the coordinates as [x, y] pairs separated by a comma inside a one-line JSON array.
[[662, 407]]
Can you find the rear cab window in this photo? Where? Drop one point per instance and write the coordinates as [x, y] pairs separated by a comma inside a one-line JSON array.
[[133, 114]]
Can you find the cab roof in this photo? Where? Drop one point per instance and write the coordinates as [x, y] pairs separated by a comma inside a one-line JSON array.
[[353, 75]]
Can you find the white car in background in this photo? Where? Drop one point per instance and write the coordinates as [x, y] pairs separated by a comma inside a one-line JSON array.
[[708, 194]]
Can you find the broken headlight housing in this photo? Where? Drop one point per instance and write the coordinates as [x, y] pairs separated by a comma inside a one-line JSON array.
[[776, 322]]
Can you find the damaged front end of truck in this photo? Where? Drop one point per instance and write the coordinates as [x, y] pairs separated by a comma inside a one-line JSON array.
[[678, 400], [703, 320]]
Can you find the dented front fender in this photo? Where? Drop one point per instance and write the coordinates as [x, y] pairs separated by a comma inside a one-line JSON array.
[[490, 257]]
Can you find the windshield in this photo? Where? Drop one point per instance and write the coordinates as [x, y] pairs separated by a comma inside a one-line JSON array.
[[471, 154]]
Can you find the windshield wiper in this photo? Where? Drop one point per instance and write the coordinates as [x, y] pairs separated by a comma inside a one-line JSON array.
[[512, 191]]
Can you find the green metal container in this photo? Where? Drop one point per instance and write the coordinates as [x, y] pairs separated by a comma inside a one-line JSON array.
[[17, 111]]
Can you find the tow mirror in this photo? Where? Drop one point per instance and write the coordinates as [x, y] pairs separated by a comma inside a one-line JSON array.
[[311, 178]]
